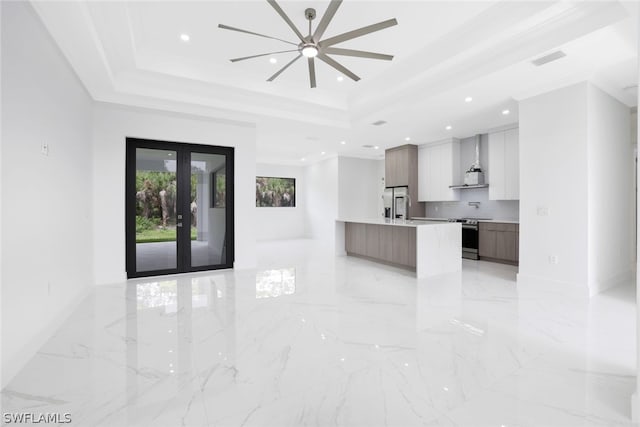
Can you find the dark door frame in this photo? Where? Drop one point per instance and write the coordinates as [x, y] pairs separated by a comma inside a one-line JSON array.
[[183, 183]]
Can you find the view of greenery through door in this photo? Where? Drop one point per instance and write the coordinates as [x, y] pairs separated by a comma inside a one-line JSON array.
[[156, 206]]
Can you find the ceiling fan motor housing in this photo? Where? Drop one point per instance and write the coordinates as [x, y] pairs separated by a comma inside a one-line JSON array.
[[310, 13]]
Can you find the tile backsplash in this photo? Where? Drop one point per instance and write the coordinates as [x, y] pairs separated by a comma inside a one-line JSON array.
[[494, 209]]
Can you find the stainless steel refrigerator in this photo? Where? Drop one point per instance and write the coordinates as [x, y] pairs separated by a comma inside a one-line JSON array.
[[396, 202]]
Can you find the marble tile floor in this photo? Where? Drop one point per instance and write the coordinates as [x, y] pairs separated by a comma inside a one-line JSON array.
[[309, 339]]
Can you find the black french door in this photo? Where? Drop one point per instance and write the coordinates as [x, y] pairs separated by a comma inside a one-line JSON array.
[[179, 207]]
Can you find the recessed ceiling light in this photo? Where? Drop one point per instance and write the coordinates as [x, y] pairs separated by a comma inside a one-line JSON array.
[[343, 142], [505, 112], [408, 138], [339, 78], [468, 99], [323, 153], [185, 37], [448, 127], [273, 60], [375, 147], [302, 159], [169, 154]]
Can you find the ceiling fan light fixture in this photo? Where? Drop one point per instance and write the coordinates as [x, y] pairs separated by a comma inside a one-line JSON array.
[[310, 51]]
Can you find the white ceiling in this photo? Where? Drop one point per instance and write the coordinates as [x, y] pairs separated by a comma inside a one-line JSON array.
[[131, 53]]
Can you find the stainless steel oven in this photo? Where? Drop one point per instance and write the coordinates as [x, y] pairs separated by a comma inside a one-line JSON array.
[[470, 241], [470, 237]]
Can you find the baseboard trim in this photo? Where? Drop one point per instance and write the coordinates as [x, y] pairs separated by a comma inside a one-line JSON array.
[[530, 282], [635, 408], [597, 286], [111, 279], [15, 363]]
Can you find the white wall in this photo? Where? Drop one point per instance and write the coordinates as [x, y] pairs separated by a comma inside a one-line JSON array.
[[1, 198], [359, 187], [576, 174], [111, 125], [282, 223], [553, 176], [610, 161], [321, 200], [47, 262]]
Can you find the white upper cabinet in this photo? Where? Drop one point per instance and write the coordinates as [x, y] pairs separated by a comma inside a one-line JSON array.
[[438, 168], [504, 165]]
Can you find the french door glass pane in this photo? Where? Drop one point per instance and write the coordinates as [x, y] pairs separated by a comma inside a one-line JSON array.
[[208, 209], [156, 190]]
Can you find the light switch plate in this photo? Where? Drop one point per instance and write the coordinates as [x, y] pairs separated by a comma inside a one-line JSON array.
[[543, 211], [44, 149]]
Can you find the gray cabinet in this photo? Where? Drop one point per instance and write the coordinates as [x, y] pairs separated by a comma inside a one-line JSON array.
[[372, 249], [385, 248], [401, 170], [499, 242], [355, 238], [396, 166], [391, 244], [400, 244]]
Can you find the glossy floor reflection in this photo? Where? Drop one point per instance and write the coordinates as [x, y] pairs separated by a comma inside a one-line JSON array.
[[309, 339]]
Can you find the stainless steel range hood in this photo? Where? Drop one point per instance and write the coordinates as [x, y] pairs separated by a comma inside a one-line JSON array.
[[474, 176]]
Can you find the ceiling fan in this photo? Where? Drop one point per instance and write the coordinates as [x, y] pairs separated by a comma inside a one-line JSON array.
[[313, 46]]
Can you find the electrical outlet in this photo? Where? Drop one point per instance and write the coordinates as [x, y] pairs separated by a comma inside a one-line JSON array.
[[553, 259], [44, 149]]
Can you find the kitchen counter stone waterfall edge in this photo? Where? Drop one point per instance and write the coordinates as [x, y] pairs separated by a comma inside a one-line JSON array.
[[501, 221], [429, 248]]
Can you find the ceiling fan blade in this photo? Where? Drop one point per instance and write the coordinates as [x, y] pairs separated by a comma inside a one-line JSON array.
[[359, 32], [262, 54], [312, 72], [358, 53], [272, 78], [226, 27], [338, 66], [286, 18], [326, 19]]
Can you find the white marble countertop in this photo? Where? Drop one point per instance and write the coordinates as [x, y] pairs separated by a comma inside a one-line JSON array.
[[399, 223], [503, 221]]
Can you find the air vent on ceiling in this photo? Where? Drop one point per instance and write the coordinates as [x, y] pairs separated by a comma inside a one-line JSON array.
[[379, 123], [548, 58], [368, 146]]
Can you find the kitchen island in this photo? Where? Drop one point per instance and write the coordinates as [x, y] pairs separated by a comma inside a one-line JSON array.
[[429, 248]]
